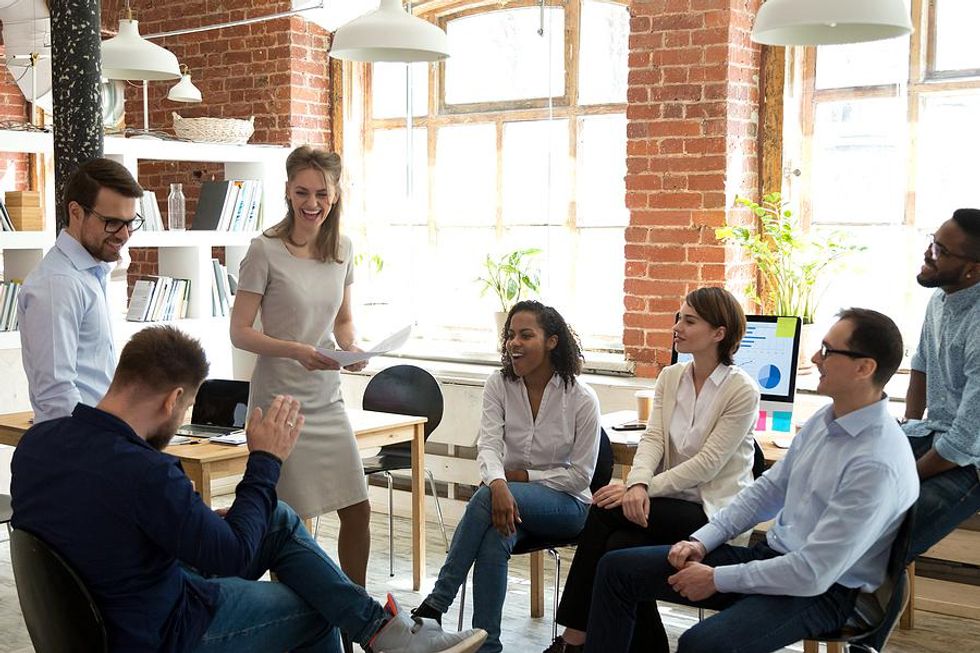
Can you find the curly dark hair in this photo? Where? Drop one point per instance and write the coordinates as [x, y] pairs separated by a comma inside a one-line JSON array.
[[566, 358]]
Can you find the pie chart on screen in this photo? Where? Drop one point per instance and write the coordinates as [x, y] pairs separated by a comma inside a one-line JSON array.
[[769, 376]]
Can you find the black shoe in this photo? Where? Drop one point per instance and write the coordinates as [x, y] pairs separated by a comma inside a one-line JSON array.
[[561, 646], [426, 611]]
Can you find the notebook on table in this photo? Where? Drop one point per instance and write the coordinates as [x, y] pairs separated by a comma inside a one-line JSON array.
[[219, 410]]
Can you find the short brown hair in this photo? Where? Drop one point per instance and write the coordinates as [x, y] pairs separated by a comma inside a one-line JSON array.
[[719, 308], [92, 176], [160, 358]]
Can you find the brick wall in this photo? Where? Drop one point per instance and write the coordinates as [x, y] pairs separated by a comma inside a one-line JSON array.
[[276, 71], [14, 166], [691, 147]]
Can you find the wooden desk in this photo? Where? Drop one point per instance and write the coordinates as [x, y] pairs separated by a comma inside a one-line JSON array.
[[205, 462]]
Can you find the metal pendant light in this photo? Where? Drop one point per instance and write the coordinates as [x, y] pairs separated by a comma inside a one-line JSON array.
[[827, 22], [184, 90], [389, 34]]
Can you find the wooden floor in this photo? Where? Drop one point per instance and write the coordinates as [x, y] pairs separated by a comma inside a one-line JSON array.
[[521, 634]]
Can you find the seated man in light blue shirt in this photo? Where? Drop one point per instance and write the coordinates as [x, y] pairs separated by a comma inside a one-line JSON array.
[[65, 326], [837, 498], [946, 380]]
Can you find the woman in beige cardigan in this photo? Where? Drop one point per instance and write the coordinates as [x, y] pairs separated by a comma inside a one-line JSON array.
[[694, 457]]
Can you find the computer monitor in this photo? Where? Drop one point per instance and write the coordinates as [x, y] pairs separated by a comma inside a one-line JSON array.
[[768, 353], [221, 402]]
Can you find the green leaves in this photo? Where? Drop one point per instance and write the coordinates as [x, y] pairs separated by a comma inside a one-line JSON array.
[[511, 276], [788, 259]]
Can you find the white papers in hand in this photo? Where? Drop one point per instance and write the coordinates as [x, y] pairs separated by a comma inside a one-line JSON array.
[[391, 343]]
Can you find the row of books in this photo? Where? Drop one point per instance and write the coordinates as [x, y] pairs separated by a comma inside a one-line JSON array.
[[159, 298], [5, 223], [9, 290], [223, 286], [231, 205], [150, 211]]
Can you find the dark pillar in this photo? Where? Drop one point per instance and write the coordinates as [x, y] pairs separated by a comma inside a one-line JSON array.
[[76, 67]]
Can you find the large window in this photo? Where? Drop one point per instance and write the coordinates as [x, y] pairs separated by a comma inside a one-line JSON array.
[[518, 140], [891, 133]]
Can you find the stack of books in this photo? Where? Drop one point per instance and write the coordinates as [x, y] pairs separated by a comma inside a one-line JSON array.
[[159, 298], [9, 290], [23, 207], [228, 206], [221, 290], [150, 211]]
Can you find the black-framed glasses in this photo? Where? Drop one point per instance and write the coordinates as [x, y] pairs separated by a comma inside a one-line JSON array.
[[937, 250], [113, 225], [826, 351]]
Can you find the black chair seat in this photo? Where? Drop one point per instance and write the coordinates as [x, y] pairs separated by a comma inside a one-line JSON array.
[[530, 545], [387, 461]]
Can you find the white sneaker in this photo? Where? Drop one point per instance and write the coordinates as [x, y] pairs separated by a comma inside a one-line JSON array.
[[403, 633]]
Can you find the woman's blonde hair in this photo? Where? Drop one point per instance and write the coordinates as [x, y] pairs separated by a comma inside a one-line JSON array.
[[327, 245]]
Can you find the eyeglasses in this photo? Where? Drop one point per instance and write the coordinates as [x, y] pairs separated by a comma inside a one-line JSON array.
[[937, 250], [113, 225], [826, 351]]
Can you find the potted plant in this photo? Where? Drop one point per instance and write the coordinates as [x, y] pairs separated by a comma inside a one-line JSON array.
[[789, 260], [511, 277]]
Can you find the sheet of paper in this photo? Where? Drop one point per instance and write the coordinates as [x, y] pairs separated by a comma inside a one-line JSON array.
[[391, 343]]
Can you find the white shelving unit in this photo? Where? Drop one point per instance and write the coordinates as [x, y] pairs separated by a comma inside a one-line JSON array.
[[185, 254]]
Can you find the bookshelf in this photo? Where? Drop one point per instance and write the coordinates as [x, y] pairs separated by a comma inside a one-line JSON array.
[[183, 254]]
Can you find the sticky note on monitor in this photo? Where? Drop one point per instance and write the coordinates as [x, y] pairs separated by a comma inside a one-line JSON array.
[[782, 421], [786, 327], [760, 424]]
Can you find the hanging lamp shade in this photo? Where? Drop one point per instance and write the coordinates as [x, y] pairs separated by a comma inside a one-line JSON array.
[[828, 22], [129, 56], [184, 90], [389, 34]]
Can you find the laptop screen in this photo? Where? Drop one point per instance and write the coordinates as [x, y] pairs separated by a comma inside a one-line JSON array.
[[221, 403]]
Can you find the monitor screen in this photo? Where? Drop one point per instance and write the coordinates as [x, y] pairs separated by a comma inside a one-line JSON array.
[[221, 402], [768, 353]]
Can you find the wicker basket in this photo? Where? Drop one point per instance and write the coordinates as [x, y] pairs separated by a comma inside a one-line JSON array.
[[214, 130]]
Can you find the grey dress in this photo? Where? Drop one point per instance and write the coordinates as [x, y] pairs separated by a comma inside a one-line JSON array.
[[300, 301]]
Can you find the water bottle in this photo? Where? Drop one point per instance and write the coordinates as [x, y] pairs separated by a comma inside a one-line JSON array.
[[175, 208]]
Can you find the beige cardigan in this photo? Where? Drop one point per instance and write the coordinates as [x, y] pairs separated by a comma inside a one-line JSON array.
[[723, 466]]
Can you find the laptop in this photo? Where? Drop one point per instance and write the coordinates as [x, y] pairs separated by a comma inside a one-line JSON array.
[[219, 410], [768, 353]]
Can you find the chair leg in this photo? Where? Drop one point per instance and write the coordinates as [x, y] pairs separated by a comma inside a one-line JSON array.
[[537, 584], [435, 496], [462, 603], [907, 620], [810, 646], [391, 526], [316, 526], [554, 609]]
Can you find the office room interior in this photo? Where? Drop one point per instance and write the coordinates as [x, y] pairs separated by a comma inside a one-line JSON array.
[[605, 157]]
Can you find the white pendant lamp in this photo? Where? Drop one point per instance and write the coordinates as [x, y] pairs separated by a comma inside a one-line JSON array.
[[828, 22], [389, 34], [129, 56], [184, 90]]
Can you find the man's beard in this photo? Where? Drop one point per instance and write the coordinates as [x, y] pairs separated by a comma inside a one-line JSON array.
[[937, 280], [161, 438]]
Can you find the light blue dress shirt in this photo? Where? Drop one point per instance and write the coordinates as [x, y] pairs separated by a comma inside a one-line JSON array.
[[949, 356], [65, 331], [838, 497]]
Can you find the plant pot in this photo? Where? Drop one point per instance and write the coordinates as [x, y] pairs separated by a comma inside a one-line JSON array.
[[500, 318], [808, 344]]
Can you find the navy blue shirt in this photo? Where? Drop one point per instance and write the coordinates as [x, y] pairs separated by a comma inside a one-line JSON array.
[[127, 519]]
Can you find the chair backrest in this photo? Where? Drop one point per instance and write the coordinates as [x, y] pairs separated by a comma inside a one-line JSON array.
[[603, 464], [405, 390], [221, 402], [59, 612], [758, 461]]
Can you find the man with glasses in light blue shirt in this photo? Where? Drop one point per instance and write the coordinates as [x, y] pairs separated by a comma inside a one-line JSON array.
[[837, 498], [63, 310]]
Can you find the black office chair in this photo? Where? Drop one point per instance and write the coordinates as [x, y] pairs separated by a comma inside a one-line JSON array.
[[600, 478], [877, 613], [404, 390], [6, 512], [60, 614]]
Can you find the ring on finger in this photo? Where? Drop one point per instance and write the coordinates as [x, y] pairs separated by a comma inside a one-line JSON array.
[[290, 424]]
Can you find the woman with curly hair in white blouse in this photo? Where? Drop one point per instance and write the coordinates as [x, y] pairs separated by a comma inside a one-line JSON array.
[[694, 457], [538, 443]]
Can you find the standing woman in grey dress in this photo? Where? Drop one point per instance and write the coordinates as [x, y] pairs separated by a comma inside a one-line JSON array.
[[296, 277]]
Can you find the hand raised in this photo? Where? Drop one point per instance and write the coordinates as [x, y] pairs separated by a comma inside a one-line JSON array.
[[275, 431]]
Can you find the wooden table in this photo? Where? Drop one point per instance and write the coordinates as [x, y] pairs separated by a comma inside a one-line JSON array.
[[204, 462]]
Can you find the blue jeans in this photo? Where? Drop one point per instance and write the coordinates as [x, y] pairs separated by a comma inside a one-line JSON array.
[[300, 612], [545, 513], [746, 623], [945, 501]]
